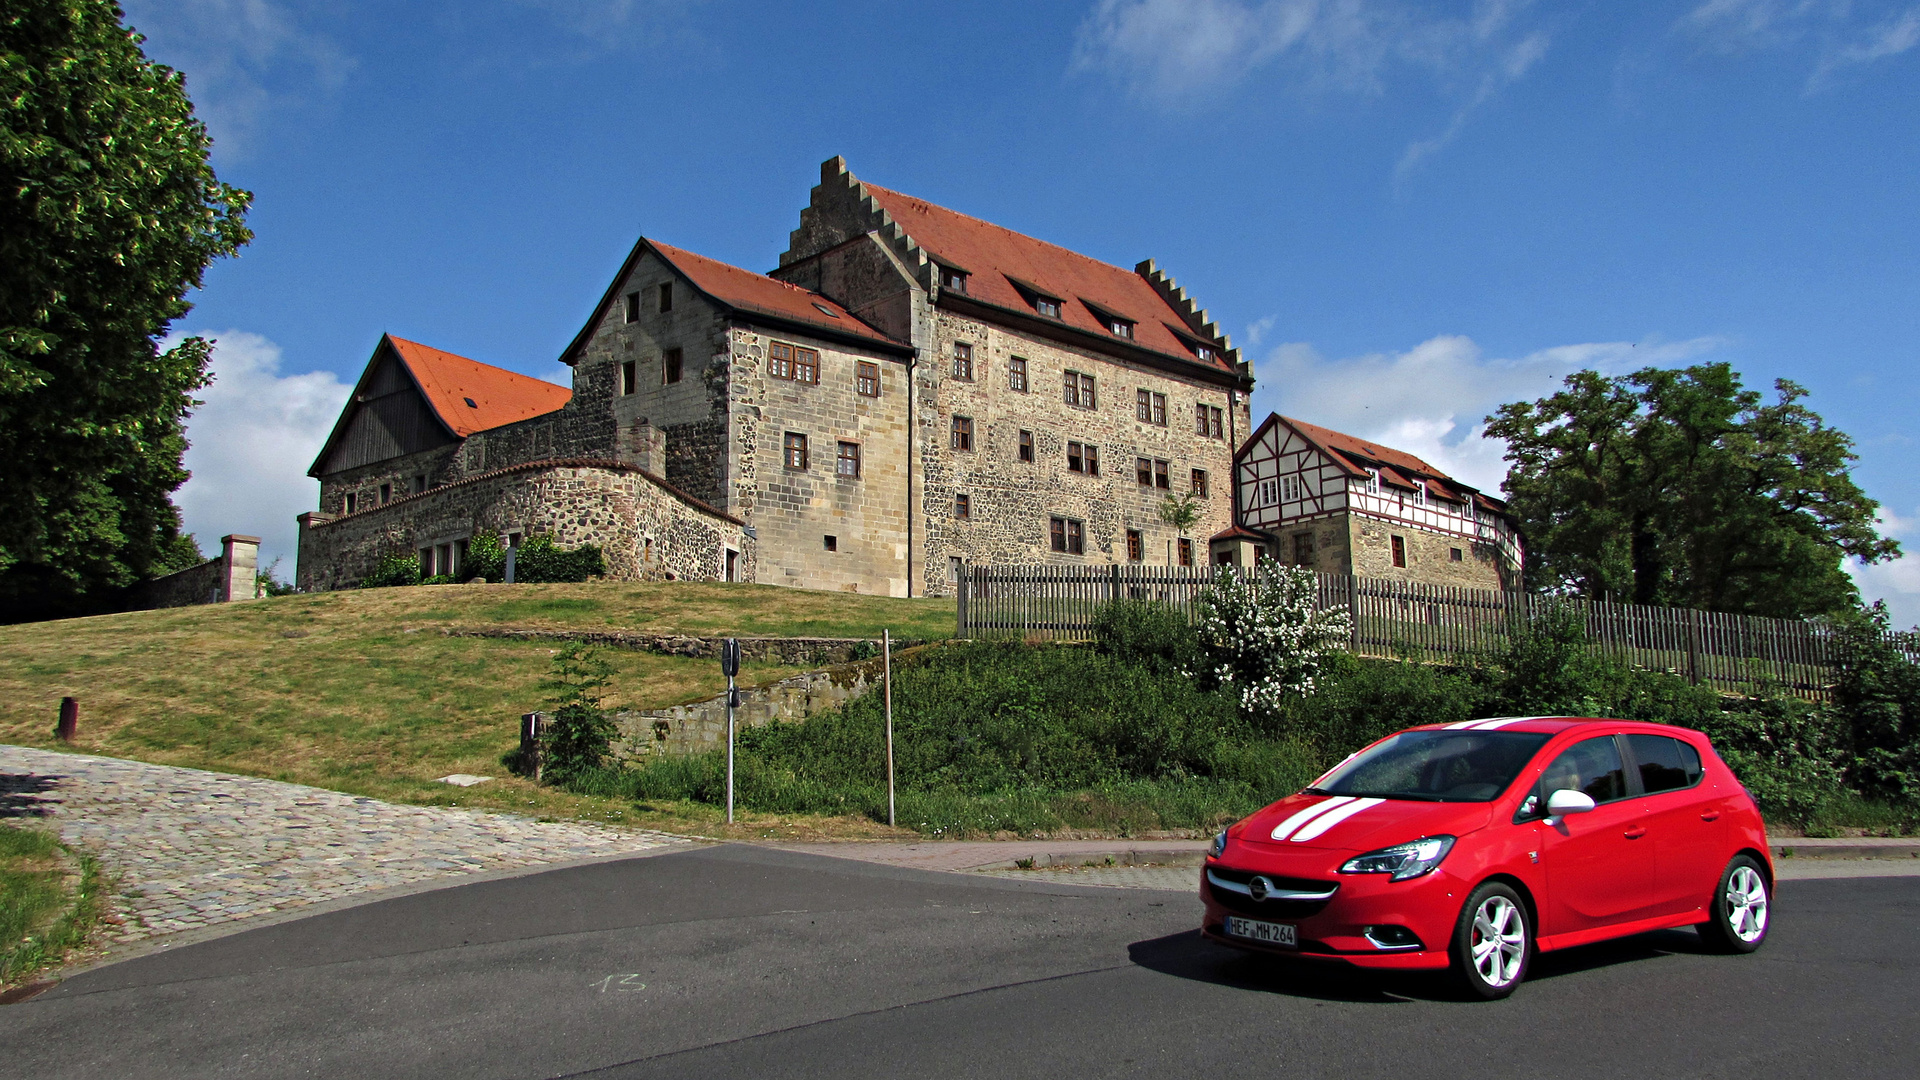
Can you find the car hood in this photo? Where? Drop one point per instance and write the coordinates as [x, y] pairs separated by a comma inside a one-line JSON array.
[[1344, 823]]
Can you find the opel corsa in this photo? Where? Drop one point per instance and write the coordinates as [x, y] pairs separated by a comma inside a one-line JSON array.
[[1472, 846]]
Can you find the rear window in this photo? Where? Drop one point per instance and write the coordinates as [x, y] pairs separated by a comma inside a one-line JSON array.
[[1666, 763], [1436, 766]]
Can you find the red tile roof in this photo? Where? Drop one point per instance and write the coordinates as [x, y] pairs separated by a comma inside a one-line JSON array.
[[747, 291], [470, 396], [1397, 467], [994, 258]]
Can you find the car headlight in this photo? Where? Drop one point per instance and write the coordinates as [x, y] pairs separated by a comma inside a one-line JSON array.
[[1403, 861], [1218, 846]]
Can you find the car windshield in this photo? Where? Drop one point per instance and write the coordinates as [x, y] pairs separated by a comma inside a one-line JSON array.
[[1436, 766]]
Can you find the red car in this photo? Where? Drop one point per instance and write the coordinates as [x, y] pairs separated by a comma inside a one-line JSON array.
[[1473, 845]]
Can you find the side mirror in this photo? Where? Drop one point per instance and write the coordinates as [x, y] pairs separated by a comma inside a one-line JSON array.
[[1568, 801]]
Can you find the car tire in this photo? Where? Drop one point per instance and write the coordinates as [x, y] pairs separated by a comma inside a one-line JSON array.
[[1492, 942], [1741, 911]]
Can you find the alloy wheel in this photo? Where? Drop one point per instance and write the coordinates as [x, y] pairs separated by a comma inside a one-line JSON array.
[[1499, 941], [1746, 904]]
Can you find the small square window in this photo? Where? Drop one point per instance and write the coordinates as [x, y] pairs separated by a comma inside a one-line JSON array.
[[1048, 307], [670, 365], [1026, 446], [627, 379], [1455, 555], [352, 501], [1017, 374], [1120, 328], [963, 433], [419, 483], [1399, 551], [962, 506], [796, 451], [953, 279], [847, 464], [633, 307], [1136, 546], [963, 361], [666, 296], [831, 543], [866, 379], [1067, 535]]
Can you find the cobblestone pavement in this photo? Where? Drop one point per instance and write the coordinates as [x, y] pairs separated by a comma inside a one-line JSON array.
[[187, 849]]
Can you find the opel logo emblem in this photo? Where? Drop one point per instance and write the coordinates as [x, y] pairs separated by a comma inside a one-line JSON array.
[[1260, 887]]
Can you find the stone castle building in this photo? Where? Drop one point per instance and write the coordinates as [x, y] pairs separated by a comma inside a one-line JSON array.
[[910, 389], [1312, 497]]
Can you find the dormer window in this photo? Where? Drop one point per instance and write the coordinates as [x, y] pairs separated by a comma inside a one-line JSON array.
[[1119, 327], [1373, 481], [1204, 352], [953, 279], [1048, 307]]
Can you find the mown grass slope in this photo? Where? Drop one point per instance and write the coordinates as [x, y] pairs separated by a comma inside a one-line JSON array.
[[361, 691]]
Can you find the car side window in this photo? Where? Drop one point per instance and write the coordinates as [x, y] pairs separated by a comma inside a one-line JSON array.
[[1666, 763], [1592, 766]]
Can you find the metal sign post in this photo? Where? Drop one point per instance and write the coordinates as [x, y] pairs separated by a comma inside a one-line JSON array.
[[730, 664], [886, 648]]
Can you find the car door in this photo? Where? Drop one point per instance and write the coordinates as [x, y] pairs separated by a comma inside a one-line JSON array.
[[1683, 818], [1599, 870]]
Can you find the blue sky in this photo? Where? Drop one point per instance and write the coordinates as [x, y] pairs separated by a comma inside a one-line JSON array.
[[1406, 213]]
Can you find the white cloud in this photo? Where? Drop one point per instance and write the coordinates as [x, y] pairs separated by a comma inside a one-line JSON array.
[[1842, 33], [1179, 51], [243, 59], [1896, 581], [251, 444], [1431, 400]]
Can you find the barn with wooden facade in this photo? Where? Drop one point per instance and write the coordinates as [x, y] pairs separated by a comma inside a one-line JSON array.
[[1308, 496]]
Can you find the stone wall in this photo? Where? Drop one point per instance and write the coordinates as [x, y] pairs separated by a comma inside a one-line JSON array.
[[232, 576], [1011, 501], [690, 729], [647, 529], [1430, 556]]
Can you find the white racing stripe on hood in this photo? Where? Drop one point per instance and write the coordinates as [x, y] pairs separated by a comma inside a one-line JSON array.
[[1327, 821], [1281, 830], [1489, 725]]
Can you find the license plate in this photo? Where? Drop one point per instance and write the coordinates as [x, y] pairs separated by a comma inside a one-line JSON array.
[[1267, 933]]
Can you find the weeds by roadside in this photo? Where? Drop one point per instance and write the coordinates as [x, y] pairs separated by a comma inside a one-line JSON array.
[[50, 901]]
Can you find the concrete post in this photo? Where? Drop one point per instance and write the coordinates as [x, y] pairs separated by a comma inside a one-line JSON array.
[[240, 567]]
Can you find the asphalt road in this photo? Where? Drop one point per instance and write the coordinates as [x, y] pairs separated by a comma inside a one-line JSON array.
[[742, 962]]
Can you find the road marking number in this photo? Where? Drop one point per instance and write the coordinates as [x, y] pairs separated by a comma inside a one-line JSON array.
[[627, 984]]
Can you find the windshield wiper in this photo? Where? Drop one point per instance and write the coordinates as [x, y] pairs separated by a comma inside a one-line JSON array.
[[1315, 791], [1414, 795]]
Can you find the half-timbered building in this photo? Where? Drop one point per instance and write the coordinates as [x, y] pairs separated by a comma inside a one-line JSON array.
[[1308, 496]]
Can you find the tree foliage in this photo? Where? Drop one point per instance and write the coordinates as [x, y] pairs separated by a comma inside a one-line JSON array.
[[109, 215], [1683, 488]]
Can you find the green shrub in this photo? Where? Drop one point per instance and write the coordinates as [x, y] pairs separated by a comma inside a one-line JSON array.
[[575, 739], [1156, 637], [1876, 701], [396, 569]]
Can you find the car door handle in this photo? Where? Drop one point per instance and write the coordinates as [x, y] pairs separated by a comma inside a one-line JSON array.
[[1711, 815], [1636, 833]]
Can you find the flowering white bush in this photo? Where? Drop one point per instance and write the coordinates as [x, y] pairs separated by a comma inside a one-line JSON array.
[[1263, 635]]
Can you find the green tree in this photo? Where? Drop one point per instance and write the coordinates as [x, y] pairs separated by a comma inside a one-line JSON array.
[[1683, 488], [1180, 511], [109, 215]]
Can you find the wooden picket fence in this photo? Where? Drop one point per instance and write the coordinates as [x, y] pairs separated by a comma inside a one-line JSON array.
[[1400, 618]]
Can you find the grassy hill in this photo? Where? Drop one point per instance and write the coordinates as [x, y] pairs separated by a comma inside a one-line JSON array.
[[361, 692]]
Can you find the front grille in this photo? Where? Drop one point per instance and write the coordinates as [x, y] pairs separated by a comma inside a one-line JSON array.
[[1273, 907]]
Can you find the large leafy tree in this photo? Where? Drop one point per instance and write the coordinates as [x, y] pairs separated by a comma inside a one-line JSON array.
[[1684, 488], [109, 214]]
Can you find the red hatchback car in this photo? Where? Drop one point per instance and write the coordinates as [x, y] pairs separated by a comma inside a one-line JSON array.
[[1473, 845]]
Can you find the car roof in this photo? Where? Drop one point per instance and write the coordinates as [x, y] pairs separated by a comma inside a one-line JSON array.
[[1546, 725]]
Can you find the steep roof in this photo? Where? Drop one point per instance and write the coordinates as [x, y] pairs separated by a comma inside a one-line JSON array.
[[744, 290], [1397, 468], [1004, 267], [469, 396]]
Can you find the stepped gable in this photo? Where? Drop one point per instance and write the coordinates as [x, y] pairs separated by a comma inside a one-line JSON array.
[[744, 290], [1002, 265], [469, 396], [1397, 468]]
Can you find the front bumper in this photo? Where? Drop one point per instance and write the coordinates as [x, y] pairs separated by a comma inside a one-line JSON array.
[[1336, 929]]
